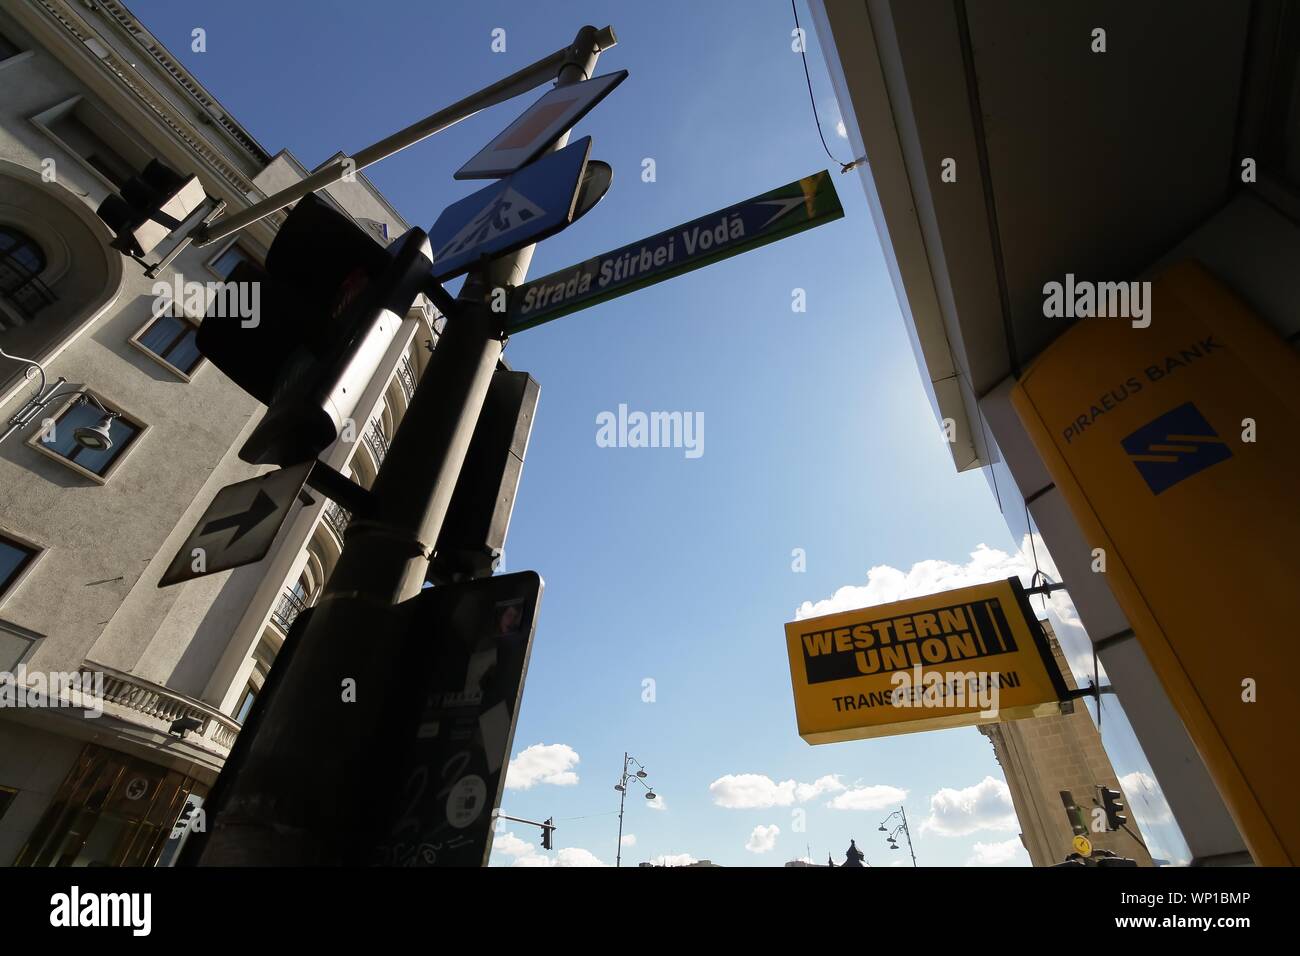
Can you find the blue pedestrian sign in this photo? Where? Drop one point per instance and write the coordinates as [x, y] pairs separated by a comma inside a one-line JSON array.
[[535, 202]]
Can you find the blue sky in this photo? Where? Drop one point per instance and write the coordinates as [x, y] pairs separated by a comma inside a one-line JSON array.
[[818, 434]]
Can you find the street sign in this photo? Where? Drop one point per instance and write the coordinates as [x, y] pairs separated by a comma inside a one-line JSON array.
[[239, 526], [538, 127], [747, 225], [536, 202], [451, 725], [969, 656], [596, 180]]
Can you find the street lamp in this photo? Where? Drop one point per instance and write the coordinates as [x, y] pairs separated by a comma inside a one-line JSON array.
[[95, 437], [639, 776], [892, 835]]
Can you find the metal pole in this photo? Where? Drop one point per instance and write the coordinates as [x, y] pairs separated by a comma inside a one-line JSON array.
[[909, 834], [618, 858], [522, 81], [312, 769]]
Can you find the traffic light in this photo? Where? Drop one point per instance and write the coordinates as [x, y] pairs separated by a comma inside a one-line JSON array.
[[329, 303], [1077, 821], [548, 828], [149, 208], [1110, 802], [473, 535]]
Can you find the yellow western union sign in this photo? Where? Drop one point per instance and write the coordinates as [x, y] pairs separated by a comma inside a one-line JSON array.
[[1177, 447], [969, 656]]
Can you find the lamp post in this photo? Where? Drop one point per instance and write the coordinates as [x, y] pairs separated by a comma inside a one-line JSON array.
[[95, 437], [892, 835], [639, 776]]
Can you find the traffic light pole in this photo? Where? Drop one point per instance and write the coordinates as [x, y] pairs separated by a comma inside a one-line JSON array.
[[310, 779]]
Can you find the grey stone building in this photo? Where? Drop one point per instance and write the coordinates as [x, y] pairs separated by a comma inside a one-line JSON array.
[[87, 97], [1041, 757]]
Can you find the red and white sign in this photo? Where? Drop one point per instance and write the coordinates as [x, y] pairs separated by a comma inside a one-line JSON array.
[[539, 126]]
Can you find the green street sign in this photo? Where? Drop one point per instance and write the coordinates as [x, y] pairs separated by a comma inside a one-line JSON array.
[[755, 222]]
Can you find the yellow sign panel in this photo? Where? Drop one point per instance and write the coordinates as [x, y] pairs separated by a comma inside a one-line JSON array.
[[1083, 846], [1177, 448], [969, 656]]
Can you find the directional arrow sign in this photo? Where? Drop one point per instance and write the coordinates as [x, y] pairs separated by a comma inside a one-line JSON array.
[[755, 222], [536, 202], [239, 526]]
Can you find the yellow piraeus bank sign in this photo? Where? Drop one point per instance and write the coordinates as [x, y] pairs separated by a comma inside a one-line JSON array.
[[969, 656]]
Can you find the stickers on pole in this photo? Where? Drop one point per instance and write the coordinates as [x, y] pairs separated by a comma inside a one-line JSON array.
[[540, 125], [969, 656], [450, 730], [536, 202]]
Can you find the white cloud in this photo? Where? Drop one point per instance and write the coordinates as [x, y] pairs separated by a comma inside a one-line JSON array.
[[531, 854], [757, 791], [629, 839], [543, 763], [511, 845], [841, 131], [985, 806], [673, 859], [803, 792], [886, 584], [658, 803], [763, 839], [868, 798], [1007, 853], [1145, 798], [570, 856]]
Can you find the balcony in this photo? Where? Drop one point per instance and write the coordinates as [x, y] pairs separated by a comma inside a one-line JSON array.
[[287, 609], [337, 518], [156, 707], [406, 377], [377, 441]]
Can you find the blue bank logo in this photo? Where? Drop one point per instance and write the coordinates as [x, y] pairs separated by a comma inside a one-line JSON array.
[[1178, 444]]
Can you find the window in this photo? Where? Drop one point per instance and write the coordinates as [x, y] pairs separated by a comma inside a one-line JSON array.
[[171, 340], [245, 705], [232, 256], [60, 438], [7, 794], [95, 138], [16, 645], [7, 48], [21, 263], [15, 558]]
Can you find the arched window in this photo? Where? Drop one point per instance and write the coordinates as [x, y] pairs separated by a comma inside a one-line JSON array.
[[21, 263]]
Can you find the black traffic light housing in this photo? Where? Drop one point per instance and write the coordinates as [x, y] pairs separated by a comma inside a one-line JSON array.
[[330, 301], [548, 829], [149, 208], [1113, 807], [473, 535]]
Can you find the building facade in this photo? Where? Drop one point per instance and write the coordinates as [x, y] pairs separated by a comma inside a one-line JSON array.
[[1043, 756], [1009, 147], [87, 97]]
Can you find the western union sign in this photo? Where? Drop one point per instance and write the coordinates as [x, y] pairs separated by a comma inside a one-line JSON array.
[[969, 656]]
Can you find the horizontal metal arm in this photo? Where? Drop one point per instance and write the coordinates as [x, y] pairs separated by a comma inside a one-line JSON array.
[[522, 81]]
